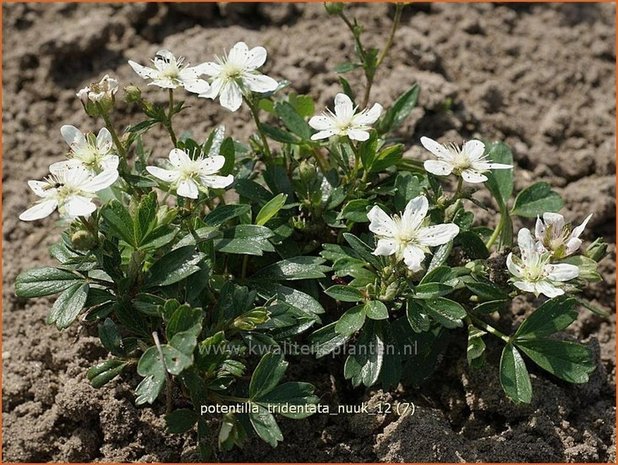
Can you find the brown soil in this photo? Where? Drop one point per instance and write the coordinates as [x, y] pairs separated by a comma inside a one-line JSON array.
[[539, 77]]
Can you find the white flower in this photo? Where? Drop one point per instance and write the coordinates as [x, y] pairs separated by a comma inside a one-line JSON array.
[[235, 74], [533, 272], [469, 162], [556, 237], [345, 121], [95, 155], [70, 190], [169, 73], [407, 236], [105, 89], [189, 176]]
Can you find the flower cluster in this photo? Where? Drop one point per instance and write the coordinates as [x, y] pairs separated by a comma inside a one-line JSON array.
[[538, 269]]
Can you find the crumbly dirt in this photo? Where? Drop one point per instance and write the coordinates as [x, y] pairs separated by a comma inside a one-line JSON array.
[[539, 77]]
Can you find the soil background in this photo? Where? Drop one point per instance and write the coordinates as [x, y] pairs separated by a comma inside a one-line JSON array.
[[539, 77]]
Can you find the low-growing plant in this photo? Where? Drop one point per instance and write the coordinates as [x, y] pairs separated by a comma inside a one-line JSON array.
[[198, 269]]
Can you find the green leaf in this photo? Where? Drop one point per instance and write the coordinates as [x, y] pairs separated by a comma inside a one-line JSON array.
[[351, 321], [102, 373], [536, 200], [271, 209], [363, 250], [569, 361], [347, 89], [181, 420], [365, 363], [265, 426], [120, 222], [183, 319], [418, 319], [401, 109], [346, 67], [387, 158], [68, 305], [280, 135], [291, 394], [303, 104], [292, 120], [445, 309], [431, 290], [476, 345], [553, 316], [43, 281], [514, 376], [327, 339], [294, 268], [376, 310], [500, 182], [344, 293], [356, 210], [246, 239], [224, 213], [267, 375], [587, 267], [491, 306], [110, 337], [472, 245], [174, 266], [486, 292]]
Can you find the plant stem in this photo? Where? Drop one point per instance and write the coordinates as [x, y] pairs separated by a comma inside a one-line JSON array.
[[245, 264], [490, 329], [168, 382], [170, 113], [391, 36], [254, 113], [497, 231]]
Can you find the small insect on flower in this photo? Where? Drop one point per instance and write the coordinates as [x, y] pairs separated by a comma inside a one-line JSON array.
[[94, 154], [556, 237], [70, 190], [237, 74], [345, 121], [169, 72], [534, 272], [188, 176], [408, 235], [469, 162], [105, 89]]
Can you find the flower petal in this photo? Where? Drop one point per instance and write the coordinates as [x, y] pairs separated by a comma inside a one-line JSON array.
[[104, 141], [101, 181], [256, 57], [368, 117], [196, 86], [73, 136], [437, 234], [380, 223], [78, 205], [321, 122], [143, 71], [438, 167], [40, 188], [437, 149], [492, 166], [215, 89], [217, 182], [239, 54], [415, 212], [110, 163], [164, 175], [179, 158], [187, 188], [259, 83], [231, 96], [526, 244], [556, 220], [548, 289], [413, 257], [357, 134], [473, 177], [474, 149], [573, 245], [385, 247], [513, 267], [344, 108], [526, 286], [211, 165], [562, 272], [539, 229], [323, 134], [209, 68], [580, 229], [39, 210]]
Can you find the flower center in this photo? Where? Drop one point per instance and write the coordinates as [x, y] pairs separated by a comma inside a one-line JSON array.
[[535, 269], [461, 161], [231, 71]]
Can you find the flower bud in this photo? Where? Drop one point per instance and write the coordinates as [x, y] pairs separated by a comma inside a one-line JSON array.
[[133, 94], [83, 240], [597, 250], [98, 97], [307, 171], [390, 293], [334, 8]]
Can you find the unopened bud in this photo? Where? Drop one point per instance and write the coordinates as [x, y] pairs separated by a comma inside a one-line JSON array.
[[334, 8], [307, 171], [133, 94], [83, 240], [597, 250]]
